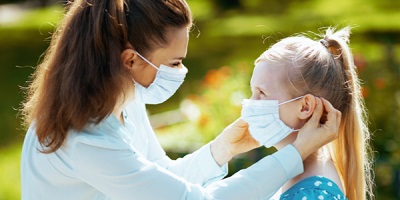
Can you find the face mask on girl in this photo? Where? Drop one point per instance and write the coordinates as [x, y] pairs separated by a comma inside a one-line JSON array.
[[165, 84], [265, 126]]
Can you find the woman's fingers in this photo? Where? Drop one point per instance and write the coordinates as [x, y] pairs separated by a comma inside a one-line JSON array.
[[333, 118], [240, 123], [316, 132], [315, 118]]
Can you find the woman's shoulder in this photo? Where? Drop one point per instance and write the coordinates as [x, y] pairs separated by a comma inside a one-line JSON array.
[[314, 187], [105, 134]]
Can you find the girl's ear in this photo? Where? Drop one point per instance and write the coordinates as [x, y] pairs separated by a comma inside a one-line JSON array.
[[308, 104], [128, 57]]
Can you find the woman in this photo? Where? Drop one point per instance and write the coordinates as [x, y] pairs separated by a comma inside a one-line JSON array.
[[289, 74], [89, 136]]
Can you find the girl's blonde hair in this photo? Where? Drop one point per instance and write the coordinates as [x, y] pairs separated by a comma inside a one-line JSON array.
[[325, 68]]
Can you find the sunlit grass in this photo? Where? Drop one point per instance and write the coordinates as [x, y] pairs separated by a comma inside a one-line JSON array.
[[9, 172]]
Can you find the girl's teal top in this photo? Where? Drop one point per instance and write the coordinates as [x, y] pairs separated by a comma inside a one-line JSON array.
[[315, 187]]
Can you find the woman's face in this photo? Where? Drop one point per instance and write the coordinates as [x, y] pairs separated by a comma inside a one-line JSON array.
[[170, 55], [267, 83]]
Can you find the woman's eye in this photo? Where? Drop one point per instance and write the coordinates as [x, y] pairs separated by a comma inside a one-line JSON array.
[[176, 64]]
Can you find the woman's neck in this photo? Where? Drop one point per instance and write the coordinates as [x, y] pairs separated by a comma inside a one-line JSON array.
[[122, 102], [117, 112], [119, 116]]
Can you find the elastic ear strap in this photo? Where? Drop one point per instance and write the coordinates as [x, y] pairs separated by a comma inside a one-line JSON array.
[[290, 100], [146, 60]]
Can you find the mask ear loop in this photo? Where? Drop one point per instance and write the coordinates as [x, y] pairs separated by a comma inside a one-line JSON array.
[[134, 81], [146, 60], [290, 100]]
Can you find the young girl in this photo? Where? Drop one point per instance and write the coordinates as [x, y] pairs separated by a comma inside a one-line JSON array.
[[289, 74], [89, 135]]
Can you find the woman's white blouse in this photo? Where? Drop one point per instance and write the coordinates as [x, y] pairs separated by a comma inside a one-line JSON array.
[[112, 161]]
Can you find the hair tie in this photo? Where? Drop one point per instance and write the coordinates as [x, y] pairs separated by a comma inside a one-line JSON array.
[[324, 42]]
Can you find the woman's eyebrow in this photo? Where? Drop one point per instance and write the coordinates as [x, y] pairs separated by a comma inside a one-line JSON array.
[[180, 58]]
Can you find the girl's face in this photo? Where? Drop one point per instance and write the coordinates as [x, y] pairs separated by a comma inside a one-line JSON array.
[[170, 55], [267, 83]]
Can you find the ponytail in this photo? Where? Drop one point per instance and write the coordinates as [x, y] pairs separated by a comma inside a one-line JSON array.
[[81, 76], [351, 150]]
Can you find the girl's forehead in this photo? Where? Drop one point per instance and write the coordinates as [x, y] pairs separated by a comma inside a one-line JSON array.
[[269, 78], [267, 72]]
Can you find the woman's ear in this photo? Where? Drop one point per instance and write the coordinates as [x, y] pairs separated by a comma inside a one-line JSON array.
[[128, 58], [308, 104]]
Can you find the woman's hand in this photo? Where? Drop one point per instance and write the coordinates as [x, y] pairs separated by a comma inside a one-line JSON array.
[[233, 140], [316, 132]]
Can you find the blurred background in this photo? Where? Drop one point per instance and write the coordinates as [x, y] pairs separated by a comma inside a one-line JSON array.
[[227, 37]]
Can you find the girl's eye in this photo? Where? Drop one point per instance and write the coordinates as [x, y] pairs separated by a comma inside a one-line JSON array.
[[262, 94]]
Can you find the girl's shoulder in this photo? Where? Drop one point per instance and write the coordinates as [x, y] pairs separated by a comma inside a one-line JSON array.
[[314, 187]]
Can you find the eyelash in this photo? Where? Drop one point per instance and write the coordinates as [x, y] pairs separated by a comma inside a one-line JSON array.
[[176, 64]]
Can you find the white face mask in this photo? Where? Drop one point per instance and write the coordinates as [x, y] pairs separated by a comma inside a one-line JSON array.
[[265, 126], [166, 83]]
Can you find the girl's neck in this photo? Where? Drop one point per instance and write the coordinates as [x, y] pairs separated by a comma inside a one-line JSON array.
[[314, 165], [317, 164]]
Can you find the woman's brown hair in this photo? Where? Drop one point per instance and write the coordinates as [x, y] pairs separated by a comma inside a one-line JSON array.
[[81, 76], [325, 68]]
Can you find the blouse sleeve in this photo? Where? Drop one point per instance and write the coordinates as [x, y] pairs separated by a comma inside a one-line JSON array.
[[198, 167], [124, 174], [262, 179]]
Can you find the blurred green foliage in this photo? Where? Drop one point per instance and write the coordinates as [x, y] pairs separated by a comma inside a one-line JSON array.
[[227, 37], [10, 1], [21, 45], [9, 175]]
